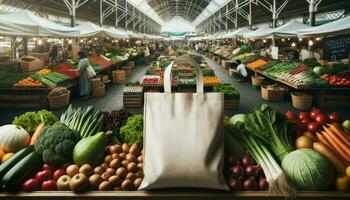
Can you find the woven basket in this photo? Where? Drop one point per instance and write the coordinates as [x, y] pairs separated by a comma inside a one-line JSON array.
[[257, 80], [59, 101], [301, 101], [99, 91], [119, 76], [272, 95], [95, 82]]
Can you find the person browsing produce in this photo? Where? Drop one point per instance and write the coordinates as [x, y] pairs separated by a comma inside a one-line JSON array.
[[84, 82], [240, 72]]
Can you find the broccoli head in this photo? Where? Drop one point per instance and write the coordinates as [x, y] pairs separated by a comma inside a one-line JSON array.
[[56, 144]]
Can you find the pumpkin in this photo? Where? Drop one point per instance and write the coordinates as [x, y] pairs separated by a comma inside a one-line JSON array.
[[13, 138]]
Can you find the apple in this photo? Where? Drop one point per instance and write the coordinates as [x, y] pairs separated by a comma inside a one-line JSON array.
[[63, 183]]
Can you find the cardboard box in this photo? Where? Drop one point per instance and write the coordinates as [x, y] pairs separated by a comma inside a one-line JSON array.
[[30, 63]]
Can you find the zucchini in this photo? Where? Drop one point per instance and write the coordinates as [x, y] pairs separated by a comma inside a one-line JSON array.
[[6, 166], [15, 177]]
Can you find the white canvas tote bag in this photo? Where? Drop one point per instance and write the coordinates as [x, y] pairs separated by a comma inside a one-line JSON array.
[[183, 138]]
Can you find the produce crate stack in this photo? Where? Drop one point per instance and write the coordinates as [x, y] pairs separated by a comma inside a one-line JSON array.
[[132, 96]]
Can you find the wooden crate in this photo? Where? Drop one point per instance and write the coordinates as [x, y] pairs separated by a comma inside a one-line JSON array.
[[132, 101], [119, 76], [231, 103], [24, 98]]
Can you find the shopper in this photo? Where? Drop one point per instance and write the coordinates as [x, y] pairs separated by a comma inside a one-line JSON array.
[[53, 55], [84, 82], [241, 72], [146, 54]]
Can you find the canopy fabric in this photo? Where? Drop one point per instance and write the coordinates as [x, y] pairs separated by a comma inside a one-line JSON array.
[[25, 23], [240, 32], [135, 35], [88, 29], [116, 33], [289, 29], [338, 27], [258, 33]]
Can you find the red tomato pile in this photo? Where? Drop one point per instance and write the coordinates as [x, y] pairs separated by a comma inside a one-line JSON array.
[[336, 80]]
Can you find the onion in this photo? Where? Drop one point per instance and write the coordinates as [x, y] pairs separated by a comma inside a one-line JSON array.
[[290, 115], [334, 117], [321, 119], [263, 184], [314, 113], [235, 184], [233, 160], [303, 115], [237, 171], [246, 160], [313, 127], [305, 121], [250, 170], [250, 184]]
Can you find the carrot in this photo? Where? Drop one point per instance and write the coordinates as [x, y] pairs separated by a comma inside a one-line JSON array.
[[344, 137], [323, 140], [338, 141], [342, 152], [323, 149], [36, 134]]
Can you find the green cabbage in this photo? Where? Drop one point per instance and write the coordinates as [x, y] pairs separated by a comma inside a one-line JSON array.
[[308, 170]]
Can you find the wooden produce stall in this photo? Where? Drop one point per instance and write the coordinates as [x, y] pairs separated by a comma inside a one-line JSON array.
[[170, 195]]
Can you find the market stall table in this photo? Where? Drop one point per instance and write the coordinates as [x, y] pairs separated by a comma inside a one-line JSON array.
[[170, 195]]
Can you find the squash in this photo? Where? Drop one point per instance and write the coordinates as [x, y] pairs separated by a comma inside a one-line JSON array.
[[13, 138], [90, 150]]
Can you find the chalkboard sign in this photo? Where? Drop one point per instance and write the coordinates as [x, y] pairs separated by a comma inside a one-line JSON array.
[[336, 48]]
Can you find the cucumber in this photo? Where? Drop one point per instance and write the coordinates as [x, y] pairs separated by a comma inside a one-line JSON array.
[[6, 166], [14, 178]]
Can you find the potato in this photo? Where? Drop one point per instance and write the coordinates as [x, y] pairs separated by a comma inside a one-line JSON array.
[[108, 159], [115, 149], [110, 170], [122, 156], [121, 172], [125, 148], [140, 159], [107, 148], [137, 183], [130, 176], [134, 149], [95, 180], [98, 170], [105, 186], [86, 169], [105, 176], [140, 165], [132, 167], [72, 170], [115, 163], [115, 180], [130, 157], [115, 155], [104, 166], [125, 163], [127, 185], [139, 174]]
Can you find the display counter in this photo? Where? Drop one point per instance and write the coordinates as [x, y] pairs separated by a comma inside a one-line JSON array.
[[170, 195]]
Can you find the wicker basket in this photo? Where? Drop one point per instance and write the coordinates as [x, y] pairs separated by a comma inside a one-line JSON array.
[[257, 80], [301, 101], [272, 95], [59, 101], [118, 76], [95, 82], [99, 91]]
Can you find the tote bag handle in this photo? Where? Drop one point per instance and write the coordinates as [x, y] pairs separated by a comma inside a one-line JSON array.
[[168, 78]]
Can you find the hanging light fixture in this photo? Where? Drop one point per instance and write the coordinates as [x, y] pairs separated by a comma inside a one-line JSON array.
[[264, 41], [283, 39], [70, 41], [81, 40], [293, 44], [300, 39], [40, 42], [311, 42], [318, 39]]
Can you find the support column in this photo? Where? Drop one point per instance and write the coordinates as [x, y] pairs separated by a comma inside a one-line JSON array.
[[313, 5], [126, 15], [236, 19], [13, 48], [274, 15], [25, 45], [116, 13], [101, 13], [250, 16]]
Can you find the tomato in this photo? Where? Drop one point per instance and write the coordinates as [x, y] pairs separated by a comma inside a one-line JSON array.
[[321, 119], [43, 175], [30, 185], [58, 173], [48, 185], [49, 167]]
